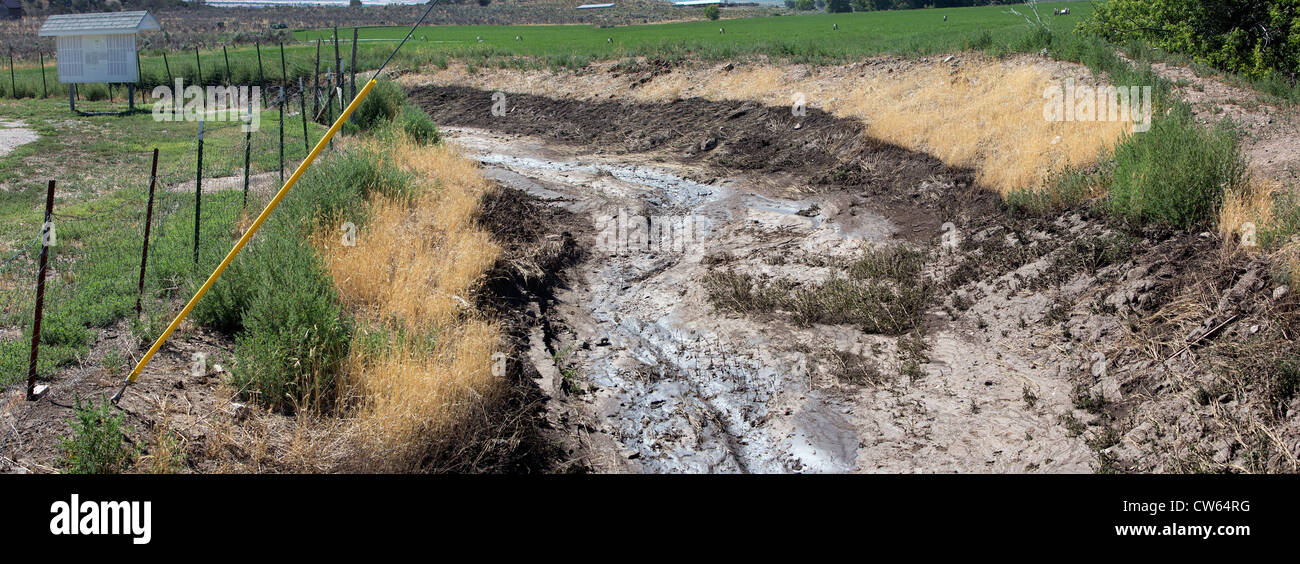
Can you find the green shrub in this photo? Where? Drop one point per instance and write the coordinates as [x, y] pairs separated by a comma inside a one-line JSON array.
[[1257, 39], [418, 125], [290, 332], [60, 328], [381, 106], [1064, 190], [1284, 224], [1175, 173], [97, 444], [295, 335], [884, 292]]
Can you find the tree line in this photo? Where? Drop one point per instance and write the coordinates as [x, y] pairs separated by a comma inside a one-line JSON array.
[[839, 6], [1256, 38]]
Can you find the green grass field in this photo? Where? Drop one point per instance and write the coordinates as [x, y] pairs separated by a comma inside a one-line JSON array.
[[806, 38]]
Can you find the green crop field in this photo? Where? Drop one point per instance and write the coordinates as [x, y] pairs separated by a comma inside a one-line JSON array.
[[808, 36]]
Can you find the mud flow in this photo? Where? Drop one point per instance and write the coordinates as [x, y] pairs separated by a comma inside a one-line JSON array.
[[652, 375]]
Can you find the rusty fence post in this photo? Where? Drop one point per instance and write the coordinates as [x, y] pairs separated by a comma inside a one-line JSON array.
[[302, 109], [47, 239], [148, 221]]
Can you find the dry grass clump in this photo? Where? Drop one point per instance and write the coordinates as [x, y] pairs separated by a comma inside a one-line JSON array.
[[1252, 204], [422, 357]]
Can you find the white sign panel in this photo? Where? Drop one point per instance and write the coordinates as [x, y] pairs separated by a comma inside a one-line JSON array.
[[97, 58]]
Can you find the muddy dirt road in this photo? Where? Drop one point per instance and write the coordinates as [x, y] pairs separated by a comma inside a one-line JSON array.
[[1055, 342], [672, 385]]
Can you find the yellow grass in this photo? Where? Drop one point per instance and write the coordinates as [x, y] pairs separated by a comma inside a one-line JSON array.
[[986, 116], [1254, 205], [410, 278]]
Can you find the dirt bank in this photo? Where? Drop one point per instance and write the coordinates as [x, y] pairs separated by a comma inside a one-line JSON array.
[[1063, 344]]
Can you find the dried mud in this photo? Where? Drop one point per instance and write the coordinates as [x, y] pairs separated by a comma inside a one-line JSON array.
[[1067, 343]]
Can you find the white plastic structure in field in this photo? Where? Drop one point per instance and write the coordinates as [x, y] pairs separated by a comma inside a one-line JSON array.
[[97, 47]]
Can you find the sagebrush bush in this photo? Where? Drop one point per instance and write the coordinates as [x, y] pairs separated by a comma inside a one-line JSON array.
[[381, 106], [884, 292], [97, 444], [1176, 173], [295, 335], [418, 125]]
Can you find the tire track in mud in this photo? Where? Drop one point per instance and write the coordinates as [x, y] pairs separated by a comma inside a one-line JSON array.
[[680, 387]]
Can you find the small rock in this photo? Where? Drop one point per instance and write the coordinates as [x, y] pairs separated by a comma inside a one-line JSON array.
[[239, 411], [1279, 291]]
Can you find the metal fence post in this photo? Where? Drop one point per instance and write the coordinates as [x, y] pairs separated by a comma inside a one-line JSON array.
[[198, 194], [47, 231], [302, 108], [248, 151], [148, 221]]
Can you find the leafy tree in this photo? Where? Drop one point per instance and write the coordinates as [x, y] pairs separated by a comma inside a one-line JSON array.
[[871, 5], [354, 3], [1257, 38], [711, 11], [804, 5], [838, 6]]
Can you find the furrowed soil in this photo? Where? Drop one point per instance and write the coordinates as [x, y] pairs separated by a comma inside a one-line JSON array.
[[1065, 343]]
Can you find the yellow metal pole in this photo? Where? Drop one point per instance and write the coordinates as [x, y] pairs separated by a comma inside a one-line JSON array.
[[239, 245]]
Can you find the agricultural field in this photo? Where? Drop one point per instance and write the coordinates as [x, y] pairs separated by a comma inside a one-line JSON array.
[[800, 38], [777, 242]]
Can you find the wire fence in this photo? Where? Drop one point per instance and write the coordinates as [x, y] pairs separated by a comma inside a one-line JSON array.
[[202, 189], [320, 67]]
